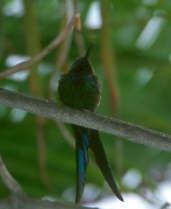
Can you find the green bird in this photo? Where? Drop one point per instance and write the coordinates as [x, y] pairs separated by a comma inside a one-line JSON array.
[[80, 89]]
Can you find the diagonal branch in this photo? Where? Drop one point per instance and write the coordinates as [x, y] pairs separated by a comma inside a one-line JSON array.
[[18, 199], [8, 180], [42, 54], [47, 109]]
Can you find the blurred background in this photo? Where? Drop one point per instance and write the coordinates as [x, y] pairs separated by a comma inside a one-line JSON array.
[[132, 57]]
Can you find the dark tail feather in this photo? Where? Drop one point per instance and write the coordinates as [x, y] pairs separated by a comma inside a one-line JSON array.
[[102, 162], [81, 135]]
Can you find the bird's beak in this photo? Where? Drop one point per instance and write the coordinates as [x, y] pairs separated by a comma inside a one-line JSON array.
[[88, 51]]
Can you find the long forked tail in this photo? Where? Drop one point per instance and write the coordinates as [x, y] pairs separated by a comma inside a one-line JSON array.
[[81, 135], [102, 162]]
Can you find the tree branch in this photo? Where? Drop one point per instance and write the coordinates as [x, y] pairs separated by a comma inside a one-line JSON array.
[[8, 180], [47, 109], [42, 54], [38, 204], [18, 199]]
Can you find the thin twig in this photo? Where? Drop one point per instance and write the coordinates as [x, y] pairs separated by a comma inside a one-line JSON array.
[[59, 66], [32, 37], [61, 59], [38, 57], [110, 70], [41, 149], [66, 134], [8, 180], [58, 112], [77, 33]]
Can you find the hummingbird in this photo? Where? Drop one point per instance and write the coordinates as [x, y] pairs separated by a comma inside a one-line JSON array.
[[80, 89]]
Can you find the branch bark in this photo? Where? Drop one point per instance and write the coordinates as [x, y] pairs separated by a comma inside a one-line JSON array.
[[28, 203], [8, 180], [18, 198], [58, 112]]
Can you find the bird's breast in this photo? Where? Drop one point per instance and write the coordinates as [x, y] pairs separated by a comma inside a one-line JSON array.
[[80, 92]]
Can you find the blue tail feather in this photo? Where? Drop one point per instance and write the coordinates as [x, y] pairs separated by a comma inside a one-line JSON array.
[[81, 158]]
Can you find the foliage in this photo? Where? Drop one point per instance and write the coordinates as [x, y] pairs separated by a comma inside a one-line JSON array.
[[143, 82]]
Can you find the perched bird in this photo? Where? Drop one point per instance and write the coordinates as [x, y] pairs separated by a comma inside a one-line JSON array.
[[80, 89]]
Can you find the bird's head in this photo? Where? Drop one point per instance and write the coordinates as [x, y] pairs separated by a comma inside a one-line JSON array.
[[82, 64]]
